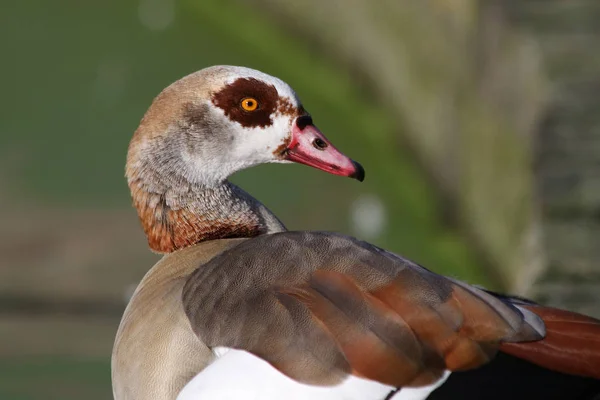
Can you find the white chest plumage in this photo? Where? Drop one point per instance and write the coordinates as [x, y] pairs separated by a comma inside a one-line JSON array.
[[239, 375]]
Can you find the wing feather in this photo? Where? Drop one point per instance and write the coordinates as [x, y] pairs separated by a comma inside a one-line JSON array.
[[321, 306]]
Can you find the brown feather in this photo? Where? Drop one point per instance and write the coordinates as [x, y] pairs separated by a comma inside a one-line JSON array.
[[571, 345], [319, 306], [376, 342], [169, 229], [447, 327]]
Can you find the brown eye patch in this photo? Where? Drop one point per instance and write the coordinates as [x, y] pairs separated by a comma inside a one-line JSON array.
[[229, 99]]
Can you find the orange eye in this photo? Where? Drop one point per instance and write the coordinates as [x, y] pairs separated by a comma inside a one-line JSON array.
[[249, 104]]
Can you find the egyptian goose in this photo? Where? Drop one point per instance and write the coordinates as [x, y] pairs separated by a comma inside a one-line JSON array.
[[240, 308]]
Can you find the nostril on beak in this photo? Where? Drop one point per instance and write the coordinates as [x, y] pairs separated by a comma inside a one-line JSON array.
[[303, 121], [319, 144]]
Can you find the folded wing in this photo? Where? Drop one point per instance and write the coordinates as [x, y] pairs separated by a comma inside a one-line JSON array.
[[321, 306]]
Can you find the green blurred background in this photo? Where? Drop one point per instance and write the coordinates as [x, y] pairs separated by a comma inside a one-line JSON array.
[[476, 122]]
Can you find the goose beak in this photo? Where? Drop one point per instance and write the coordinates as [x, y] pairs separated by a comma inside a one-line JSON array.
[[310, 147]]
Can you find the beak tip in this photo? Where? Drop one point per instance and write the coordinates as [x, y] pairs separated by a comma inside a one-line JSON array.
[[359, 172]]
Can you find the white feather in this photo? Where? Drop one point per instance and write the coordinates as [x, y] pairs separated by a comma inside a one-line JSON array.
[[239, 375], [420, 393]]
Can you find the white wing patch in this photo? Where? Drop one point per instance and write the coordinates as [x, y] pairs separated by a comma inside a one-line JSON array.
[[239, 375], [420, 393]]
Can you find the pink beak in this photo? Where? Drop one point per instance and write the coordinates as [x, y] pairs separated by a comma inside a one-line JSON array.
[[310, 147]]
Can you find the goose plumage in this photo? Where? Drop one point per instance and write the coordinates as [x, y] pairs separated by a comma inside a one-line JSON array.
[[241, 308]]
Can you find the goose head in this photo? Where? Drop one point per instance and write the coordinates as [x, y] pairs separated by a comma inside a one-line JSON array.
[[202, 129], [219, 120]]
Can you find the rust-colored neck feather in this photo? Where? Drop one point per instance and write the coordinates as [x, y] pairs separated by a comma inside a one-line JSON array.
[[173, 221]]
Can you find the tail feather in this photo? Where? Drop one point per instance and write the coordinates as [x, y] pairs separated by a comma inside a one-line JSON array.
[[571, 345]]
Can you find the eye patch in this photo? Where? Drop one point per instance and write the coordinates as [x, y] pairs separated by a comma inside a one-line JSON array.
[[229, 99]]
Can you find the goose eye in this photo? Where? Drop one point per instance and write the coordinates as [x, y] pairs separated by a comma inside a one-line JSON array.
[[249, 104]]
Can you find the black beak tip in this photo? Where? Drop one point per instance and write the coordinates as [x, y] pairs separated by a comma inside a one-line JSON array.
[[359, 173]]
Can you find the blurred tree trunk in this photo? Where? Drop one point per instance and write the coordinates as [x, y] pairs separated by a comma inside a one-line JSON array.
[[467, 92], [568, 150]]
